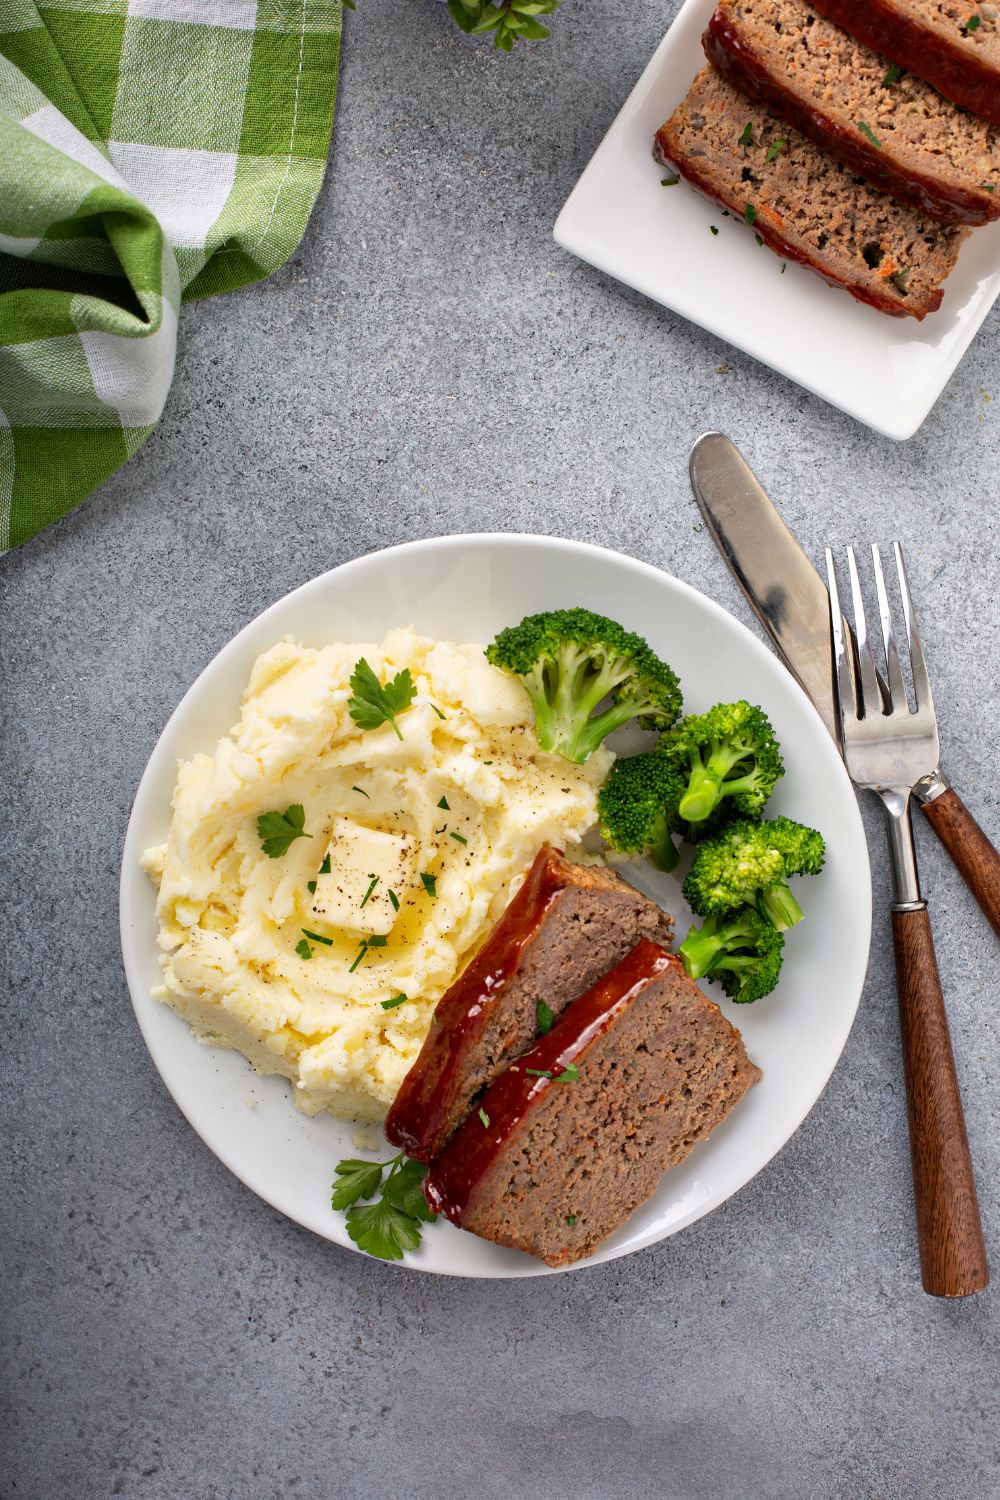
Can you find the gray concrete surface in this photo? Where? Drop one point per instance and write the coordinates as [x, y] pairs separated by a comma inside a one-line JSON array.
[[429, 362]]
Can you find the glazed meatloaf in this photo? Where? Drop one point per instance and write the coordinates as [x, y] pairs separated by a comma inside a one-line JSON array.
[[567, 925], [804, 204], [893, 128], [955, 46], [577, 1133]]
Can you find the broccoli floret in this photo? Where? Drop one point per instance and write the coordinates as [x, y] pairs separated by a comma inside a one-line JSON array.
[[637, 806], [751, 862], [741, 950], [730, 757], [569, 661]]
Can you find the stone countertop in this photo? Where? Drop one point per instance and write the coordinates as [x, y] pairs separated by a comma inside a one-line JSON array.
[[430, 362]]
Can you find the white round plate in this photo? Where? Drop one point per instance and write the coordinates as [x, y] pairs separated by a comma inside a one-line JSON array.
[[465, 588]]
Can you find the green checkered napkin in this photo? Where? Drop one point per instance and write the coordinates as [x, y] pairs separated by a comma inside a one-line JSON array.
[[150, 151]]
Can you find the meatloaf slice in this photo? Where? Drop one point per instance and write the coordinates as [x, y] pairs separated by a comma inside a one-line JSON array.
[[804, 204], [935, 40], [567, 925], [578, 1132], [893, 128]]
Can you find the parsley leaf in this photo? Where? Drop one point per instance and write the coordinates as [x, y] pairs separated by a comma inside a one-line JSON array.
[[445, 804], [303, 949], [372, 704], [750, 214], [973, 23], [382, 1230], [485, 1119], [569, 1074], [746, 135], [404, 1192], [892, 73], [670, 181], [544, 1017], [324, 868], [775, 147], [278, 831], [429, 883], [356, 1179]]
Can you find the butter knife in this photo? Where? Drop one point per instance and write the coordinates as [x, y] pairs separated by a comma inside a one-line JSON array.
[[791, 601]]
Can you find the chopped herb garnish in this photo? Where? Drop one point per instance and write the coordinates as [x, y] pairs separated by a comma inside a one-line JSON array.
[[372, 704], [311, 887], [375, 941], [277, 831], [438, 711], [458, 838], [900, 278], [399, 999], [429, 883], [361, 790], [670, 181], [368, 893], [759, 238], [393, 900], [750, 214], [544, 1017], [973, 23], [390, 1227], [485, 1118], [539, 1073], [990, 187], [746, 135], [775, 147], [713, 228], [892, 73], [324, 868], [303, 949], [317, 937], [869, 132], [487, 762], [570, 1074], [445, 804], [571, 1220]]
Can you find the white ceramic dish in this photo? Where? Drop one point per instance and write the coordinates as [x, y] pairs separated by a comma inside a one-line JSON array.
[[465, 588], [887, 372]]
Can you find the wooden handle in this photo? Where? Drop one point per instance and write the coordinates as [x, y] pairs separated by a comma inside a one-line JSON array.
[[971, 850], [952, 1252]]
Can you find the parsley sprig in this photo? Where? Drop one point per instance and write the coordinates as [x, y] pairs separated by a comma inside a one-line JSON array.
[[510, 20], [373, 705], [277, 831], [392, 1225]]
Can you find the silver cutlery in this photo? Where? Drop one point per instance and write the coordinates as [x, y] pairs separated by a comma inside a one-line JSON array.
[[889, 749], [789, 598]]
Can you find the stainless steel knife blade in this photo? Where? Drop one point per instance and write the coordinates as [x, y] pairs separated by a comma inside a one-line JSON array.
[[780, 583]]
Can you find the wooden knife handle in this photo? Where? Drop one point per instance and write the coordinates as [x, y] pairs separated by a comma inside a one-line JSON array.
[[975, 856], [950, 1236]]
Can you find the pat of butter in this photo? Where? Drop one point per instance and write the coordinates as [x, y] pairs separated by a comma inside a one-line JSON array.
[[358, 857]]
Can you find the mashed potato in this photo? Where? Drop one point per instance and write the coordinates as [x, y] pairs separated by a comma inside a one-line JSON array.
[[448, 820]]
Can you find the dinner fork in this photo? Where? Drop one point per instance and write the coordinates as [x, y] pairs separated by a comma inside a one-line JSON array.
[[887, 749]]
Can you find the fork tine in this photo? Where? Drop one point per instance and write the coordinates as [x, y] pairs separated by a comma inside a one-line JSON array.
[[871, 697], [846, 701], [921, 681], [897, 688]]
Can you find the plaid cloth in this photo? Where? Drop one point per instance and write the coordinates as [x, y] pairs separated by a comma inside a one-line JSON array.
[[150, 151]]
